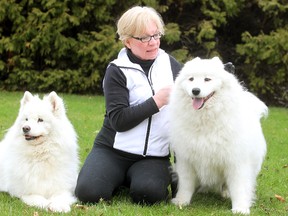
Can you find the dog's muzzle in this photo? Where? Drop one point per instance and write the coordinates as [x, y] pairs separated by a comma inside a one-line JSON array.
[[198, 102], [26, 130]]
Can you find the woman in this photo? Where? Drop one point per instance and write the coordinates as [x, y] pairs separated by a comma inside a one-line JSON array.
[[132, 148]]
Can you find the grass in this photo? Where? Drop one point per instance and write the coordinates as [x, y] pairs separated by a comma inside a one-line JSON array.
[[86, 114]]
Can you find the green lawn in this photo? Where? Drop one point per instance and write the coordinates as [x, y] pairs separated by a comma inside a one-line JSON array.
[[86, 114]]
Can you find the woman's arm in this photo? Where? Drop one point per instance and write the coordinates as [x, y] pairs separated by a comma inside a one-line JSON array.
[[121, 116]]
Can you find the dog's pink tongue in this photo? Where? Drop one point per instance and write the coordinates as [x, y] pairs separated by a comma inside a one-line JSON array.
[[197, 103]]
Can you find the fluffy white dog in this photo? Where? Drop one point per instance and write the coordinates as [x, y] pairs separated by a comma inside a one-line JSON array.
[[39, 155], [216, 134]]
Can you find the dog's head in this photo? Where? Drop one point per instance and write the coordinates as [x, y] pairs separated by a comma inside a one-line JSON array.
[[202, 79], [37, 117]]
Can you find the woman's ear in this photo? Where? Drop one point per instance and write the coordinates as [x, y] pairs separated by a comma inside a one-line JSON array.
[[127, 44]]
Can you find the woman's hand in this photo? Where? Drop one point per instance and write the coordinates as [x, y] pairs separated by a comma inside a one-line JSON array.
[[161, 97]]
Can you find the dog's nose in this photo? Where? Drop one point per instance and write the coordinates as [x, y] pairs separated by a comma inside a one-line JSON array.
[[196, 91], [26, 129]]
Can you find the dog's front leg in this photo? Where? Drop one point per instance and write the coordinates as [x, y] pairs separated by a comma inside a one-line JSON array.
[[241, 185], [187, 183]]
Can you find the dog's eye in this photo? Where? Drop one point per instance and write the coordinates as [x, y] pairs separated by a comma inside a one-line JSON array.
[[207, 79], [191, 78], [40, 120], [26, 119]]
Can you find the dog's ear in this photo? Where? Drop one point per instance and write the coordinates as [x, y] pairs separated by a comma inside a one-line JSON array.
[[217, 60], [26, 98], [56, 103], [196, 59]]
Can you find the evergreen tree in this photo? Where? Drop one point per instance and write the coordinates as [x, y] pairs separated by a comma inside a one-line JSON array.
[[66, 45]]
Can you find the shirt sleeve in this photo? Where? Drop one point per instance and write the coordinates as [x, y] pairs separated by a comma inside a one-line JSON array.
[[121, 116]]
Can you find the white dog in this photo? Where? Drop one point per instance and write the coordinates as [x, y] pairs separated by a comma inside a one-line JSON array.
[[216, 134], [39, 155]]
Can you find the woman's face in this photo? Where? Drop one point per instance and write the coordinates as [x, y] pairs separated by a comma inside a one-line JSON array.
[[146, 50]]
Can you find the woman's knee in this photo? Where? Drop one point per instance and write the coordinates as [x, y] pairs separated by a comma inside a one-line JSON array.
[[91, 193], [149, 193]]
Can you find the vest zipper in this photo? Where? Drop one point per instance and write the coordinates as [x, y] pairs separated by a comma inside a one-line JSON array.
[[150, 118]]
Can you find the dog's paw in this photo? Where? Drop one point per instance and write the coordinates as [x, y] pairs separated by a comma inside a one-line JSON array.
[[35, 200], [61, 202], [59, 207], [225, 193], [238, 210], [180, 202], [203, 190]]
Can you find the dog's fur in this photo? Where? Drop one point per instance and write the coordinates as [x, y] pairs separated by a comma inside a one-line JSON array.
[[216, 134], [39, 155]]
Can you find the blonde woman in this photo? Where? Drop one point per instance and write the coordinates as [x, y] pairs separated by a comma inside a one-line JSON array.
[[132, 148]]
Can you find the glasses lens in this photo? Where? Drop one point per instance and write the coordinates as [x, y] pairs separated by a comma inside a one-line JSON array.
[[146, 39], [157, 36]]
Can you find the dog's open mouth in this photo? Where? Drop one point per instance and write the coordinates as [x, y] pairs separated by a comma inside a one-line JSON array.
[[28, 137], [198, 103]]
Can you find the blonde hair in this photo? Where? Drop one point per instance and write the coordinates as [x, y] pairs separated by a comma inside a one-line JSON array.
[[135, 21]]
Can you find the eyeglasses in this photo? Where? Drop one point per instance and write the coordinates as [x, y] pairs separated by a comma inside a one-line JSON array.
[[148, 38]]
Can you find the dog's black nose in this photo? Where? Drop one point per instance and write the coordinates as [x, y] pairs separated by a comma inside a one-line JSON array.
[[196, 91], [26, 129]]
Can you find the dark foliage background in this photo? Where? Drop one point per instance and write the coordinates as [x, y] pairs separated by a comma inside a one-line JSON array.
[[66, 45]]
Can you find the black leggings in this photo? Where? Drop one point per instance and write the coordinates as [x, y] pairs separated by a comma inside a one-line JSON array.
[[106, 169]]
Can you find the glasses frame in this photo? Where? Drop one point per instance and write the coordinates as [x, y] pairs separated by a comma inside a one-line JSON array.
[[147, 39]]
